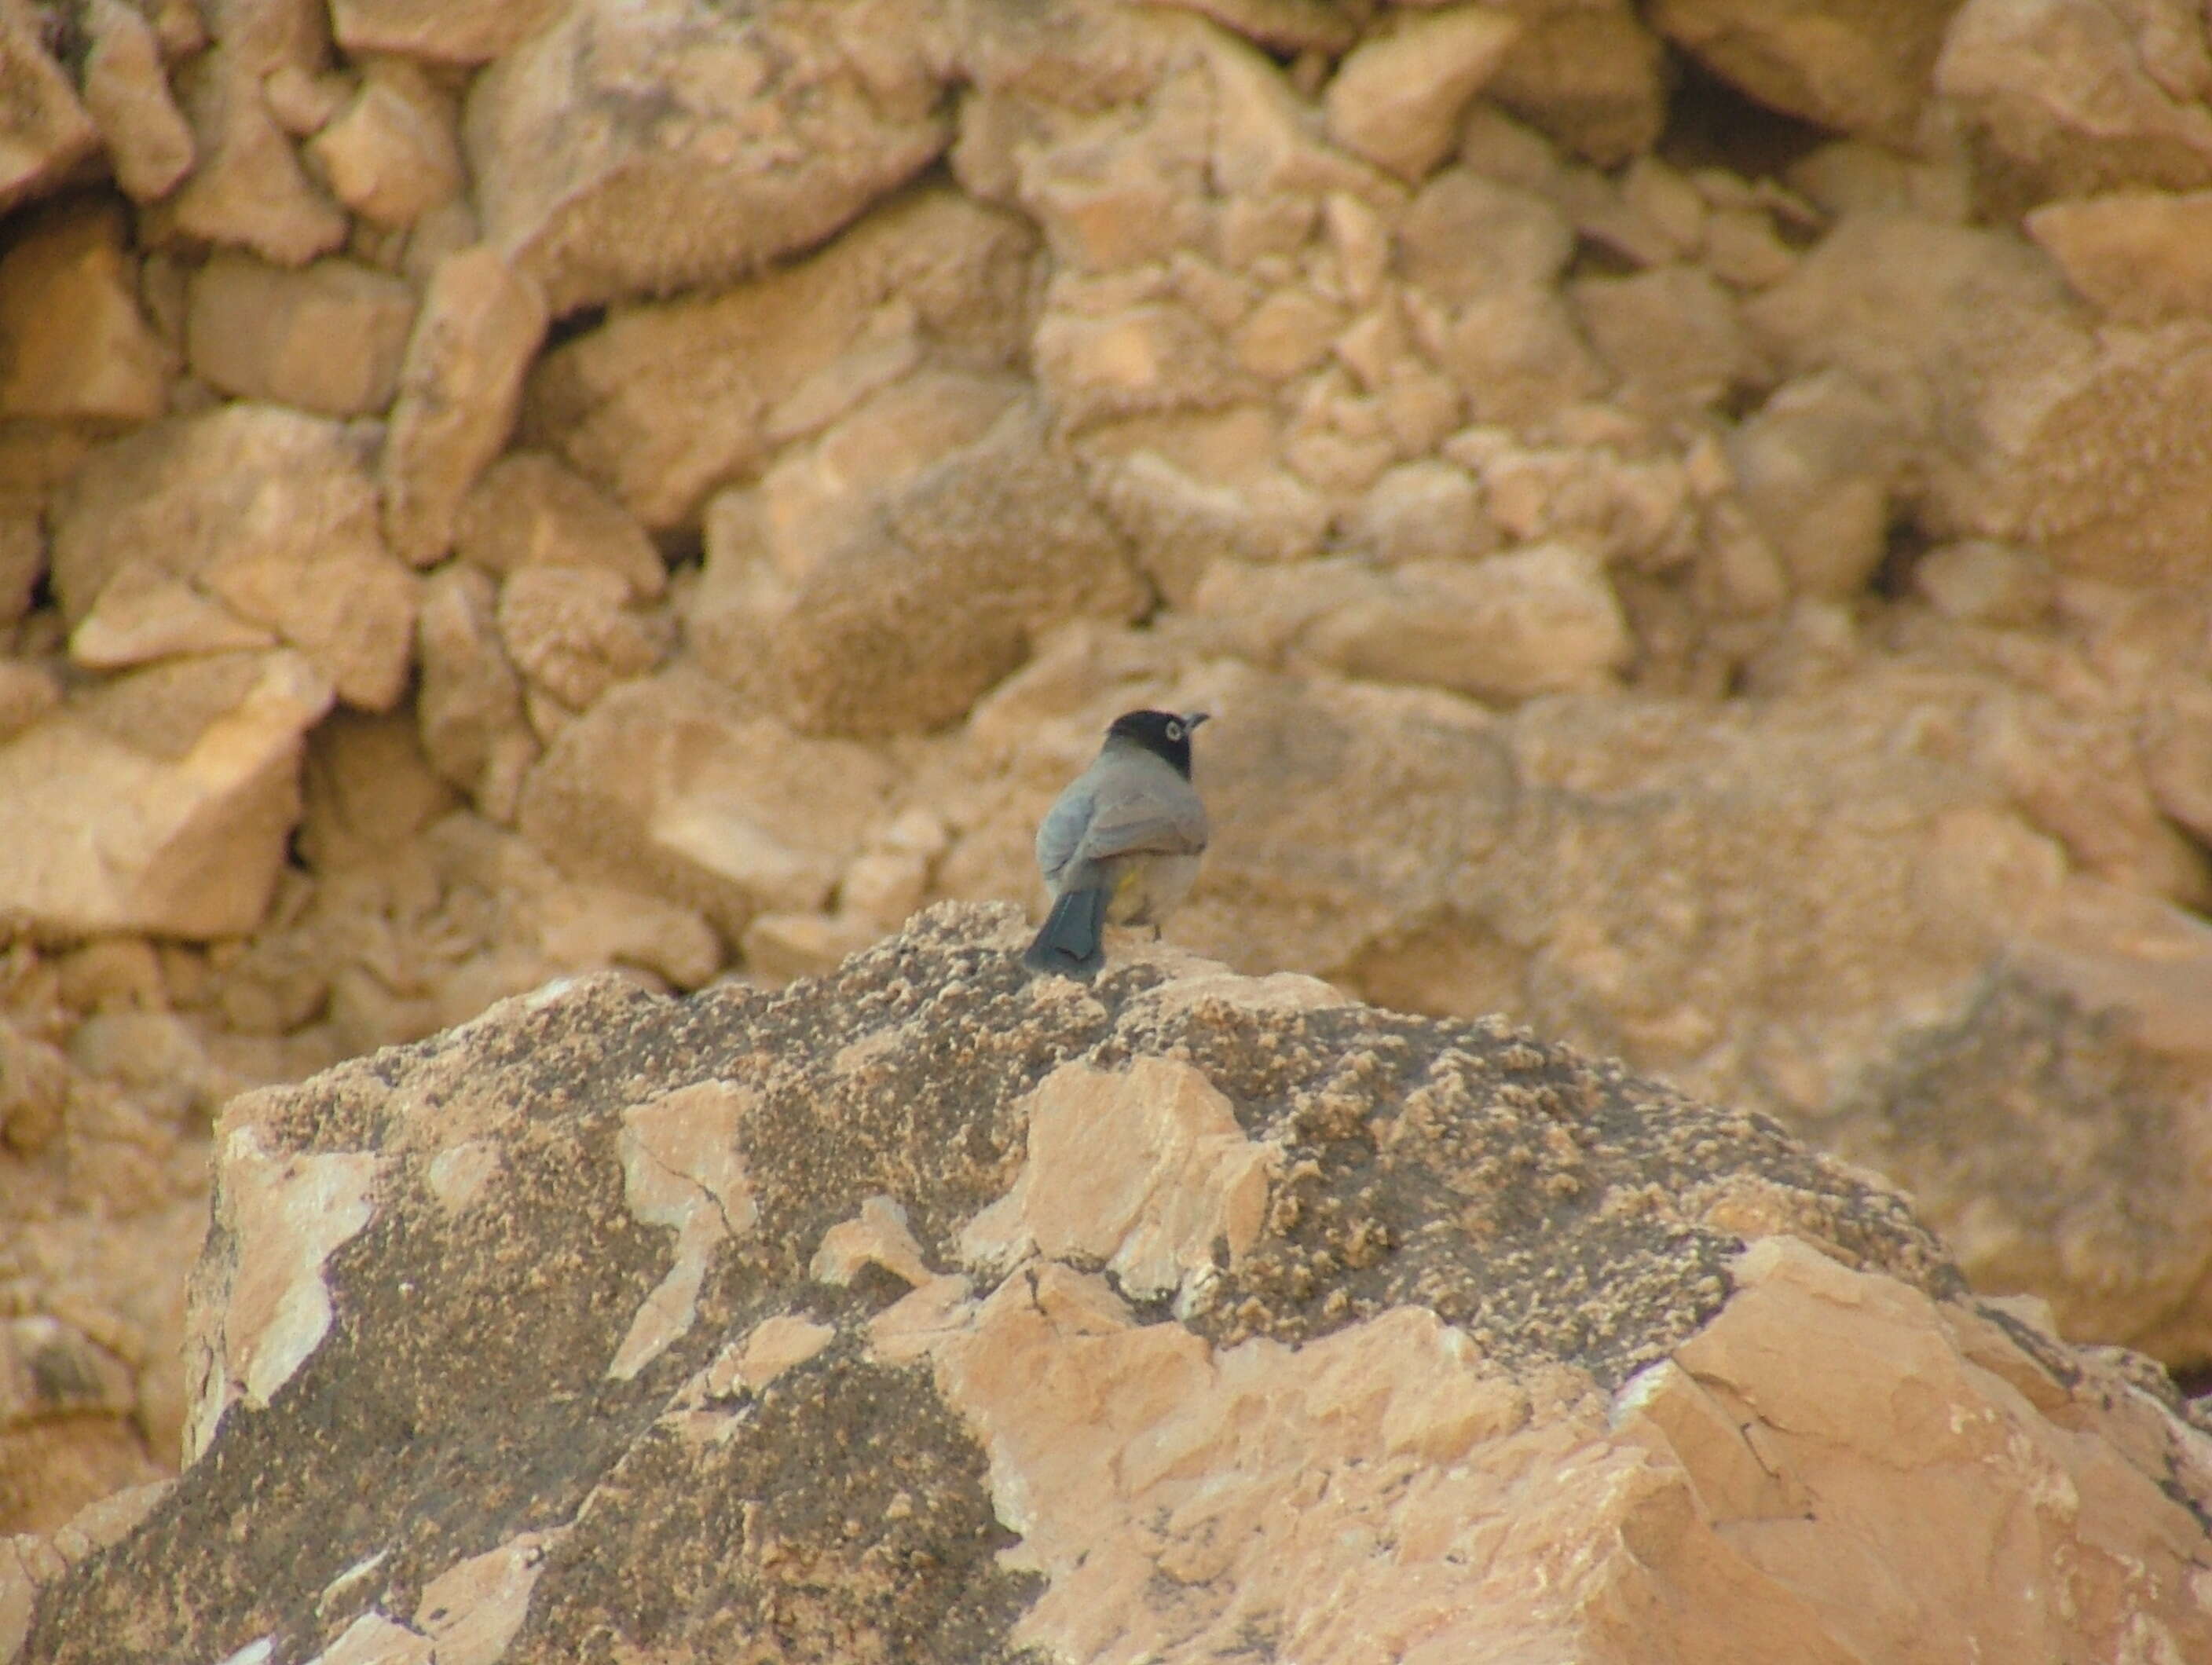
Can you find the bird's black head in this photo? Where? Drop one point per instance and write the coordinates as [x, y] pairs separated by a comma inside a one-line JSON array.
[[1163, 733]]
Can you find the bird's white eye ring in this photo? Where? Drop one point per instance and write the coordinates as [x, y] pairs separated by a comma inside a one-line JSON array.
[[1174, 731]]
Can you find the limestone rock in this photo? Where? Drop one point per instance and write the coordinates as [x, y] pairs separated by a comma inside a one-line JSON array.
[[528, 510], [470, 699], [247, 187], [441, 31], [144, 613], [1464, 236], [269, 512], [73, 343], [44, 132], [394, 152], [160, 802], [859, 1227], [126, 93], [670, 787], [775, 132], [1507, 627], [861, 643], [569, 631], [1814, 467], [665, 402], [327, 337], [1396, 98], [1672, 334], [1180, 525], [2142, 257], [2068, 98], [460, 385], [1588, 73], [1855, 68]]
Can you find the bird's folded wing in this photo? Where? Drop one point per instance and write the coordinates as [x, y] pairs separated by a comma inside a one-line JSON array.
[[1150, 822]]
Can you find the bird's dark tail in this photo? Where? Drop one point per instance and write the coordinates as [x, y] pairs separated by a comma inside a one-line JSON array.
[[1069, 942]]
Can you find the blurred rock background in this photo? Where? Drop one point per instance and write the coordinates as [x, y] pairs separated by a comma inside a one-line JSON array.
[[1693, 519]]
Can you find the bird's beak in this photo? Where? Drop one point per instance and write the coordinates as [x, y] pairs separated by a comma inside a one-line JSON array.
[[1192, 719]]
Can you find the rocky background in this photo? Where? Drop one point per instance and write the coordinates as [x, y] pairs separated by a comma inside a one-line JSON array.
[[1692, 519]]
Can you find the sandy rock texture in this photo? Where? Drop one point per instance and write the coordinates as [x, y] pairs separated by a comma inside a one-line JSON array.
[[1690, 517], [928, 1311]]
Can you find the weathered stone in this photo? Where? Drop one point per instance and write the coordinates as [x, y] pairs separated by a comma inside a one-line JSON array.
[[460, 385], [1981, 582], [1573, 1403], [1507, 627], [1149, 358], [272, 513], [672, 787], [1588, 73], [2142, 257], [145, 613], [327, 337], [528, 510], [44, 132], [1396, 98], [27, 692], [1464, 236], [1814, 467], [73, 343], [442, 31], [861, 643], [470, 699], [1855, 68], [1519, 356], [1180, 525], [246, 186], [1430, 510], [666, 402], [394, 152], [569, 631], [1671, 334], [2068, 98], [160, 802], [126, 93], [775, 133]]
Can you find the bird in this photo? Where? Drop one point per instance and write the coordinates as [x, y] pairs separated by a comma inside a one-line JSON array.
[[1122, 842]]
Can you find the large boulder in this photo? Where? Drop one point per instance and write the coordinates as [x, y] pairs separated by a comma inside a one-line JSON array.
[[931, 1312]]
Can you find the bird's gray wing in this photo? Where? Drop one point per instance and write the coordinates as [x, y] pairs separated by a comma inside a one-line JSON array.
[[1062, 829], [1156, 817]]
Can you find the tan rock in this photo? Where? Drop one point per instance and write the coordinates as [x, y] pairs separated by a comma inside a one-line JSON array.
[[666, 402], [2071, 98], [776, 137], [1814, 468], [1396, 98], [1519, 356], [1180, 525], [1287, 334], [1151, 357], [27, 692], [246, 186], [394, 152], [1428, 510], [569, 631], [858, 643], [144, 613], [46, 131], [72, 340], [470, 699], [460, 385], [1504, 628], [1588, 74], [528, 510], [1856, 68], [304, 101], [1671, 334], [2142, 257], [670, 787], [1988, 583], [126, 93], [267, 511], [1464, 236], [327, 337], [442, 31], [188, 771], [1570, 1416]]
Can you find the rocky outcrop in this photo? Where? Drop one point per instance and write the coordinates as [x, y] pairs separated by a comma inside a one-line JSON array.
[[930, 1311], [1689, 518]]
